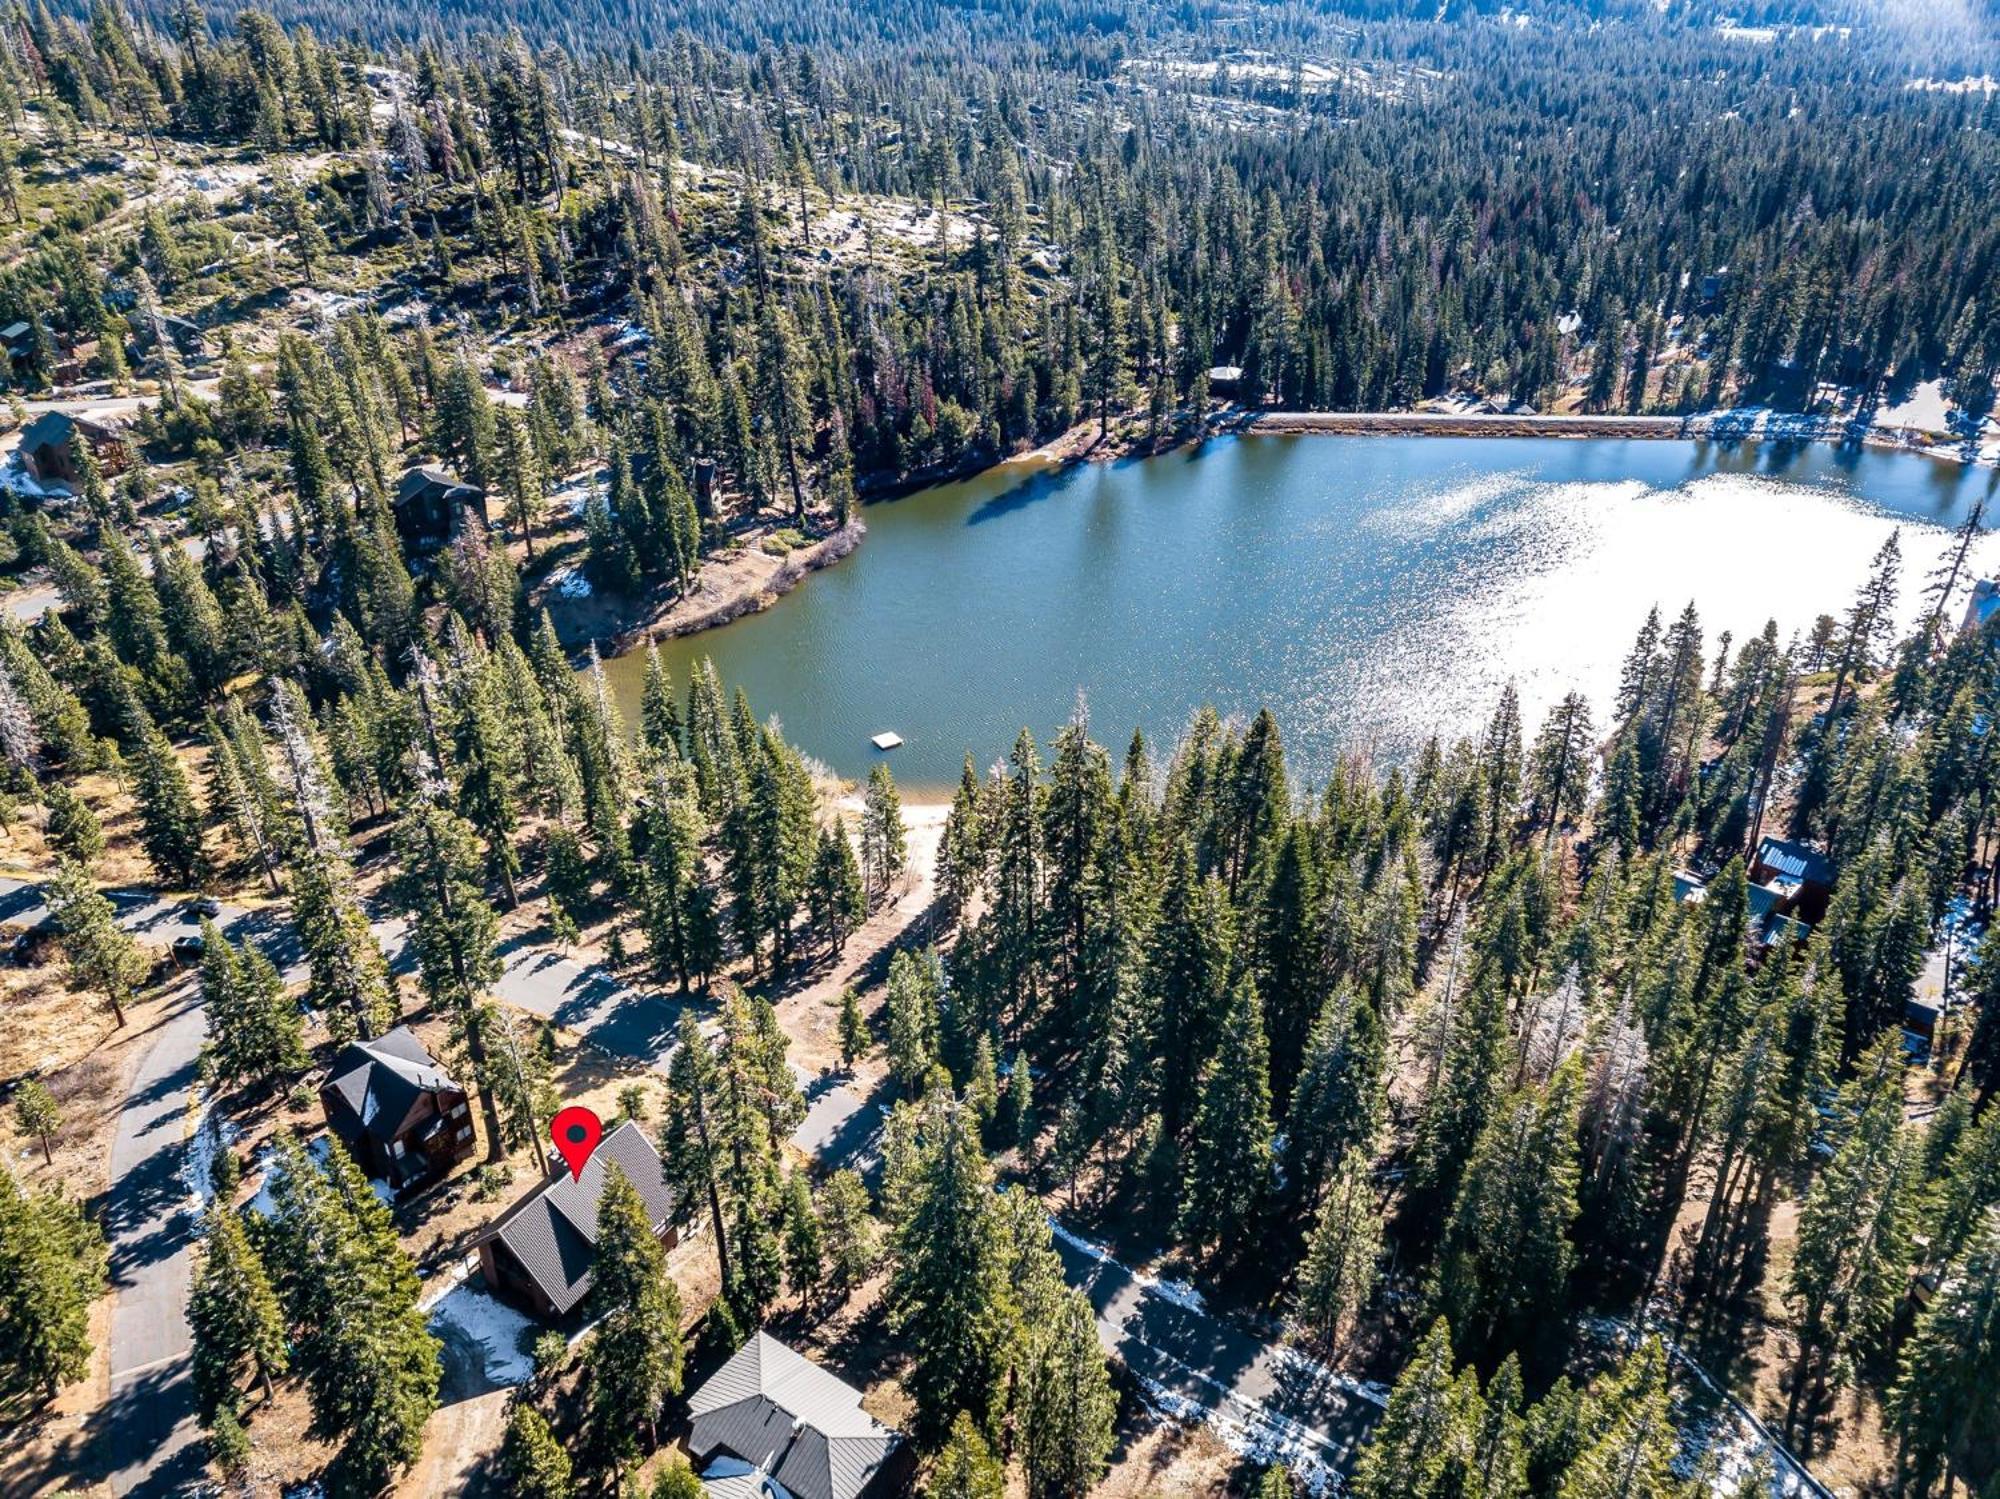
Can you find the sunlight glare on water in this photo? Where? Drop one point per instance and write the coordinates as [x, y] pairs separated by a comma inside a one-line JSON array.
[[1370, 590]]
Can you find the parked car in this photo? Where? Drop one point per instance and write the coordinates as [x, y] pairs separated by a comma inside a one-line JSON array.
[[188, 949], [205, 905]]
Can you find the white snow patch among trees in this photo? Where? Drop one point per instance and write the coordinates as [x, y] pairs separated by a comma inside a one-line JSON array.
[[1264, 1437], [206, 1141], [320, 1148], [505, 1335], [1178, 1292]]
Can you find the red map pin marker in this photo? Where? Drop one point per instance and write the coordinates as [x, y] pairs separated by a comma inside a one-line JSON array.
[[576, 1132]]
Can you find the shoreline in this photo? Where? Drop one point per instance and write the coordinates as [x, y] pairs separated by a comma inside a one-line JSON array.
[[1750, 425], [741, 586], [747, 582]]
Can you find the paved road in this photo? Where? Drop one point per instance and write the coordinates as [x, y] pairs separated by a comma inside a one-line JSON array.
[[150, 1415], [1256, 1393], [148, 1424], [32, 602]]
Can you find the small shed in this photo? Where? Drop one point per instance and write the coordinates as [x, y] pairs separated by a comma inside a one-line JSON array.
[[431, 505], [539, 1252], [396, 1110]]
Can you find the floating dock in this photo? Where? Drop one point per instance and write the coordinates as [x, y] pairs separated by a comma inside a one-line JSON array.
[[887, 740]]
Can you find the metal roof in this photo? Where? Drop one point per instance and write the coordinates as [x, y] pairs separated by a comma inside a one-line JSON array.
[[791, 1420], [1794, 860], [552, 1231]]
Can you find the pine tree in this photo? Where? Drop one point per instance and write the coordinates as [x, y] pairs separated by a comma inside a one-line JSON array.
[[676, 1480], [72, 829], [805, 1266], [254, 1028], [682, 932], [855, 1038], [1850, 1267], [884, 841], [37, 1113], [1229, 1177], [847, 1230], [659, 716], [1015, 1127], [1971, 1186], [1338, 1101], [1337, 1280], [966, 1468], [948, 1295], [453, 929], [233, 1314], [103, 958], [1016, 935], [696, 1133], [635, 1356], [1500, 1451], [1067, 1405], [1424, 1444], [1946, 1399], [1503, 1277], [962, 852], [170, 825], [350, 1293], [1458, 1103], [1632, 1453], [55, 1268], [518, 1075], [1559, 765], [349, 981], [836, 897], [533, 1463], [912, 1004]]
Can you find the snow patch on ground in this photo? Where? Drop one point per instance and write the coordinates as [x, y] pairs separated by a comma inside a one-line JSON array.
[[1925, 409], [452, 1279], [1734, 1438], [504, 1334], [1264, 1437], [320, 1149], [1315, 1372], [1720, 1442], [1985, 83], [1177, 1292], [208, 1137], [572, 584]]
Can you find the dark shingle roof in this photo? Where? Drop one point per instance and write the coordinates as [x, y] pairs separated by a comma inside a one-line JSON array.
[[429, 478], [790, 1419], [378, 1082], [49, 427], [553, 1230]]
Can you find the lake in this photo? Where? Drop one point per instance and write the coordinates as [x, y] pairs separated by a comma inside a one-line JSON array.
[[1371, 590]]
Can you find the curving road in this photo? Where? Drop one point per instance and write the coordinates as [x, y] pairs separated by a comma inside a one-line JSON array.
[[1193, 1365], [147, 1425]]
